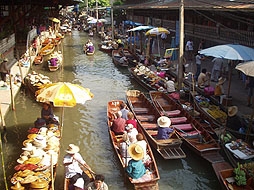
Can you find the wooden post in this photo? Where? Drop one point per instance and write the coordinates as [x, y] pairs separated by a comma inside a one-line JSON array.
[[2, 117], [181, 31], [12, 96], [134, 43], [62, 118], [112, 19], [21, 73], [141, 42], [97, 15], [29, 46], [52, 173]]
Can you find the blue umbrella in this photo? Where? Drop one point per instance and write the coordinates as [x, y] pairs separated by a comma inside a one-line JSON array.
[[139, 28], [230, 51]]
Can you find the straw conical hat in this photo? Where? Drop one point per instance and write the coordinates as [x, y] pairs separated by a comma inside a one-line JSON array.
[[164, 121], [38, 184], [232, 111], [17, 186], [136, 152]]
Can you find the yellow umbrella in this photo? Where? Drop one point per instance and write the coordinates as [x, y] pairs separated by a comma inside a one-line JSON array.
[[54, 20], [157, 31], [64, 94]]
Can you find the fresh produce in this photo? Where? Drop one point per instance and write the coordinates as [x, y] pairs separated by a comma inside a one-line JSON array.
[[240, 176], [204, 104], [217, 114], [227, 138], [249, 167]]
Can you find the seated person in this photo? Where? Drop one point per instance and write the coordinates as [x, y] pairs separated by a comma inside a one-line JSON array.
[[53, 61], [164, 129], [170, 85], [120, 51], [132, 133], [233, 121], [123, 60], [89, 43], [131, 119], [143, 144], [203, 78], [47, 113], [219, 90], [90, 49], [124, 149], [124, 111], [118, 125], [136, 168], [98, 183]]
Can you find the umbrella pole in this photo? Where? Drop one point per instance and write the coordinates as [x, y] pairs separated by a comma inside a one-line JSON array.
[[62, 118], [249, 126], [158, 43], [148, 47], [229, 81], [12, 96], [2, 117], [134, 43]]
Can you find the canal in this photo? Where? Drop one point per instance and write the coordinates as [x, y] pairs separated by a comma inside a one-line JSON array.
[[85, 125]]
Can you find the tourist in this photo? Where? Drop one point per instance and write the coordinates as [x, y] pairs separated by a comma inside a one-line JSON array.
[[219, 90], [124, 111], [217, 67], [47, 113], [189, 49], [98, 183], [131, 119], [233, 121], [132, 133], [164, 129], [4, 69], [250, 85], [118, 125], [124, 149], [203, 78], [143, 144], [136, 168], [199, 58], [170, 85], [201, 45], [71, 162]]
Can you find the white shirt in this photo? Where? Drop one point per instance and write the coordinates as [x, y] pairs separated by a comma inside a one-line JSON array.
[[73, 168], [189, 45], [132, 135], [217, 63], [124, 113], [198, 60], [170, 85], [143, 145]]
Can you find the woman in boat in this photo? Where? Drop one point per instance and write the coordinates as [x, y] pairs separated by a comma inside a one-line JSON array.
[[47, 113], [136, 168], [118, 125], [164, 129], [233, 121], [132, 133], [170, 85], [124, 149], [131, 120], [98, 183], [72, 159], [143, 144], [124, 111]]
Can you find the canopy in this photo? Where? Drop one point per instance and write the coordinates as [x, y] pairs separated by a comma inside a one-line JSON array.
[[247, 68], [94, 21], [157, 31], [90, 18], [230, 51], [102, 20], [132, 23], [139, 28], [54, 20]]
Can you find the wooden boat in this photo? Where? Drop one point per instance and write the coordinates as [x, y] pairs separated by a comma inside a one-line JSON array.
[[195, 136], [147, 116], [67, 181], [112, 107], [105, 48], [48, 49], [225, 174], [55, 41], [145, 84], [116, 59], [88, 53], [59, 61], [38, 60], [90, 34]]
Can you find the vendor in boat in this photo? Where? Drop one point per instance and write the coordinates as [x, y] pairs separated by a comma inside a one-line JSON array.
[[203, 78], [170, 84], [164, 129], [118, 125], [233, 121], [219, 90], [98, 183], [136, 168], [131, 119], [47, 113], [124, 111], [71, 162]]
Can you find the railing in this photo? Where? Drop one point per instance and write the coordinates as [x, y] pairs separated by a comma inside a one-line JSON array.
[[7, 43]]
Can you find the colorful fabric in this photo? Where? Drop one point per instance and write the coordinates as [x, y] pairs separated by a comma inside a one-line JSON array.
[[133, 122]]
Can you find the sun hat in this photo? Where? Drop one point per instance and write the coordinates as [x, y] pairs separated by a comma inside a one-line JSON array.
[[43, 131], [25, 153], [27, 141], [31, 136], [129, 126], [17, 186], [79, 183], [40, 138], [72, 149], [164, 121], [25, 173], [29, 179], [22, 159], [28, 147], [39, 184], [34, 160], [232, 111], [50, 134], [136, 152], [37, 153]]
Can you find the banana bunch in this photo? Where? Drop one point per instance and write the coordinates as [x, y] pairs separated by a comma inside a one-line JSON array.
[[249, 167], [218, 114], [240, 176]]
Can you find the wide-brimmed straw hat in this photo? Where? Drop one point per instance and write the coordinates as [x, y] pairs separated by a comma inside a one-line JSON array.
[[232, 111], [22, 159], [28, 147], [164, 121], [72, 149], [29, 179], [17, 186], [39, 184], [136, 152]]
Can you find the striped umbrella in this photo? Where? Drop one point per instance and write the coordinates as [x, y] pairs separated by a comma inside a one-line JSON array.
[[157, 31]]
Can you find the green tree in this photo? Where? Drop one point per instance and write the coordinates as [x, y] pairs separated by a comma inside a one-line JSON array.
[[92, 3]]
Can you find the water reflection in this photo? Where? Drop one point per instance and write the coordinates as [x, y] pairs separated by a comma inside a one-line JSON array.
[[85, 125]]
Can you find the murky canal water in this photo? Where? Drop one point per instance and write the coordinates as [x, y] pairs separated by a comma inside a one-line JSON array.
[[85, 125]]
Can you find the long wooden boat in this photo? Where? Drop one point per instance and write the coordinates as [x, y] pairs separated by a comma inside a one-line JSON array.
[[105, 48], [141, 80], [147, 116], [116, 59], [195, 136], [59, 58], [38, 60], [114, 106], [225, 174], [67, 181], [48, 49]]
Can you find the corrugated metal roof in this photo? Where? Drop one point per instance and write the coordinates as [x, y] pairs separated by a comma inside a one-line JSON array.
[[193, 4]]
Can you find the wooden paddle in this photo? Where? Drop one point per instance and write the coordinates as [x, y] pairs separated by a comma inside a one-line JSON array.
[[87, 167]]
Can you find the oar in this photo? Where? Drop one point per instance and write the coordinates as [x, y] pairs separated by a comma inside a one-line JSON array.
[[2, 156], [199, 134], [87, 167]]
